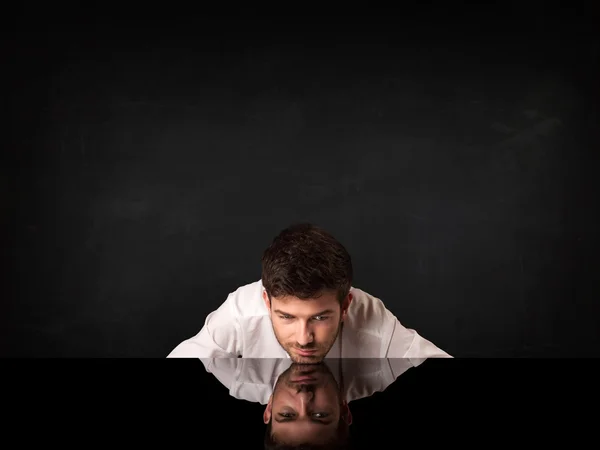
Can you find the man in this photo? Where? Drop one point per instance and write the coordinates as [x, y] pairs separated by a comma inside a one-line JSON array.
[[307, 410], [306, 405], [305, 308], [254, 379]]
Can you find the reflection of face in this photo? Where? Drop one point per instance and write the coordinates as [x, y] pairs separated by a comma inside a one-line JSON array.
[[307, 329], [305, 405]]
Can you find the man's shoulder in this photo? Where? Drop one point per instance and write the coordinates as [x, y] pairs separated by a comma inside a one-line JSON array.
[[365, 303], [367, 311], [247, 301]]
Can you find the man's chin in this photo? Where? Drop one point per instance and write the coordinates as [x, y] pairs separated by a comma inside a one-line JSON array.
[[312, 359]]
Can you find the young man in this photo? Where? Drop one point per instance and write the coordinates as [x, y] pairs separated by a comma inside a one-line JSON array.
[[305, 308], [307, 409], [306, 405], [253, 379]]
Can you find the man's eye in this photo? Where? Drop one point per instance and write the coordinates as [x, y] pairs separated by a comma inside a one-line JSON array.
[[320, 318], [320, 415], [286, 415], [285, 316]]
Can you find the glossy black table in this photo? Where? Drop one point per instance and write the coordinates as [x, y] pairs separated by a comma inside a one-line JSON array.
[[370, 403]]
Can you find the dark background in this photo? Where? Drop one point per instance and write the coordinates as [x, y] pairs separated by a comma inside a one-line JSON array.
[[151, 160], [177, 401]]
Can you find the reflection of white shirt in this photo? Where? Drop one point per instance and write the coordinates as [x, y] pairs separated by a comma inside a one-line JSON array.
[[254, 379], [241, 327]]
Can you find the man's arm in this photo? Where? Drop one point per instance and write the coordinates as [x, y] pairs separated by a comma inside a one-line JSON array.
[[223, 369], [250, 379], [407, 343], [220, 337]]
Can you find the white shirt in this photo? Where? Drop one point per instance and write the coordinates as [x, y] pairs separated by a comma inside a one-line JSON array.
[[253, 379], [241, 327]]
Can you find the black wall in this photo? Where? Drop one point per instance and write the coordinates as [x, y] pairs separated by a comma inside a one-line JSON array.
[[451, 150]]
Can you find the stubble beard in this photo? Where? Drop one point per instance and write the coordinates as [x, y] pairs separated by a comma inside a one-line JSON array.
[[321, 350]]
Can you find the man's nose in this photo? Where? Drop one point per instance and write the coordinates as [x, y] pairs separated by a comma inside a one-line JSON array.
[[304, 334], [305, 395], [305, 398]]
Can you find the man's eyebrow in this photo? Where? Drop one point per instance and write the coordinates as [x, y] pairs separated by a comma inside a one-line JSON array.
[[313, 420], [322, 313], [278, 311]]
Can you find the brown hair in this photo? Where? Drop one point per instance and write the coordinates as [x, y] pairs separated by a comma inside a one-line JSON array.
[[303, 261]]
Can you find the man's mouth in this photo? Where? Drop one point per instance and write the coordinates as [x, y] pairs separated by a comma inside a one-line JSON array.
[[305, 352], [303, 380]]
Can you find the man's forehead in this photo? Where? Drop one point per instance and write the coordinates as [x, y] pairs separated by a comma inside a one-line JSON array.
[[298, 306], [293, 433]]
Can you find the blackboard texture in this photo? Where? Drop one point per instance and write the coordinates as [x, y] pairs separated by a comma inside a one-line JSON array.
[[151, 160]]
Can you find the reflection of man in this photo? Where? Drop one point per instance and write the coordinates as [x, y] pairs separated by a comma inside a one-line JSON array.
[[306, 407], [253, 379], [304, 308], [306, 403]]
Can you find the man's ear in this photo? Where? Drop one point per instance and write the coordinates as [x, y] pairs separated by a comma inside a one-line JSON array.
[[346, 305], [266, 300], [346, 413], [268, 410]]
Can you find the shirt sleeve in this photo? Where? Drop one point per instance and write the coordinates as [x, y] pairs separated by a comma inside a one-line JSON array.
[[407, 343], [223, 369], [220, 337]]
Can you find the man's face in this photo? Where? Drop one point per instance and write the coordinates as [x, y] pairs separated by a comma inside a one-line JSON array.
[[307, 329], [305, 405]]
